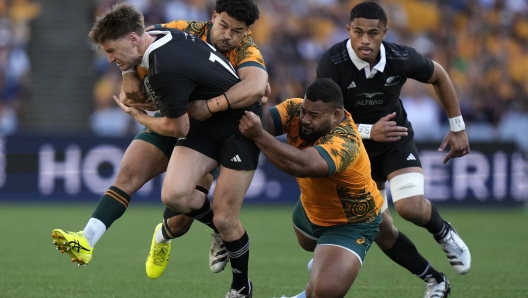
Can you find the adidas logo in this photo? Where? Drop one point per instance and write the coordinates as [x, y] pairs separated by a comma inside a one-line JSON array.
[[411, 157], [236, 159], [236, 270], [352, 85]]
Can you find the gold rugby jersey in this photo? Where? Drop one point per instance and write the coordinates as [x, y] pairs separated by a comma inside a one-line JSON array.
[[245, 54], [348, 194]]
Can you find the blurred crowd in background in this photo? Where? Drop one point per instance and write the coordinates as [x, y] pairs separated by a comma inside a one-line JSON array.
[[15, 66], [483, 45]]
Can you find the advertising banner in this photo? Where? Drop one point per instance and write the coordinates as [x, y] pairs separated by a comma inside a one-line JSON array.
[[81, 168]]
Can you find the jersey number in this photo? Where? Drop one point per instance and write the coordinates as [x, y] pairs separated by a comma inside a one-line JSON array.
[[213, 58]]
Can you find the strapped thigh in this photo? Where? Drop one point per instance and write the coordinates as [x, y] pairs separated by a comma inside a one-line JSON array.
[[407, 185]]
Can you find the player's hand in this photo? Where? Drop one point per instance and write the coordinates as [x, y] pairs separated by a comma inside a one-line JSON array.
[[266, 94], [458, 143], [386, 130], [134, 112], [133, 87], [199, 111], [250, 125], [138, 105]]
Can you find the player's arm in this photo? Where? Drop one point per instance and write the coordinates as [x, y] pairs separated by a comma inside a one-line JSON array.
[[250, 89], [171, 127], [445, 90], [385, 130], [457, 137], [298, 163], [173, 90], [249, 64], [270, 126]]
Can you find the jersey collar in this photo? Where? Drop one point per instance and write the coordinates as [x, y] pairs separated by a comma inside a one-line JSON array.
[[167, 36], [360, 64]]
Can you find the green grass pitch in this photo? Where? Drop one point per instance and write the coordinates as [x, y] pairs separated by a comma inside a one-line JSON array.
[[31, 267]]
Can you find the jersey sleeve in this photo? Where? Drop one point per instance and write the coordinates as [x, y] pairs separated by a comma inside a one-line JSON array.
[[420, 68], [179, 24], [197, 28], [327, 69], [284, 114], [338, 149], [248, 54], [173, 91]]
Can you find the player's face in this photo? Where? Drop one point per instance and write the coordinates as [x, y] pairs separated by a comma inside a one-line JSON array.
[[366, 36], [226, 33], [123, 51], [317, 119]]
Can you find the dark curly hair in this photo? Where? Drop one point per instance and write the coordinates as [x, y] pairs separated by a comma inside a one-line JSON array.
[[369, 10], [327, 91], [240, 10]]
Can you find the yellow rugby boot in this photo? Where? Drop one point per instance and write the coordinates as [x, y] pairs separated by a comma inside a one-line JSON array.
[[74, 244], [158, 257]]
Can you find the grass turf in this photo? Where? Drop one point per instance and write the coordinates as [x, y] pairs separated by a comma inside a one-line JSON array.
[[31, 267]]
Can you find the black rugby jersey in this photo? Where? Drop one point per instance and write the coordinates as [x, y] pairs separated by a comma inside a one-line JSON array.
[[183, 68], [370, 99]]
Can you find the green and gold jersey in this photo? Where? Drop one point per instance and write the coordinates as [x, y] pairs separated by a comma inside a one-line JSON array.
[[348, 194], [245, 54]]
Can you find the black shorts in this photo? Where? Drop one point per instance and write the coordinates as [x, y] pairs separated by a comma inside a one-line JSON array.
[[388, 157], [219, 138]]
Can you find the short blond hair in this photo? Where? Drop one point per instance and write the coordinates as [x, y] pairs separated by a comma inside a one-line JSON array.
[[118, 21]]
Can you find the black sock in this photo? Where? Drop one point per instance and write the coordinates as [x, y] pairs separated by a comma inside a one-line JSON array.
[[436, 224], [168, 213], [202, 189], [431, 272], [239, 257], [204, 215], [405, 254], [111, 206]]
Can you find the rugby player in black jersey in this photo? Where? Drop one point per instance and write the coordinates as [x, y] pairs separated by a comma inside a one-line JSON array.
[[371, 73], [228, 31]]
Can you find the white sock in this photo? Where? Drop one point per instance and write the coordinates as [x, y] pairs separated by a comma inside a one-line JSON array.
[[301, 295], [160, 238], [94, 230]]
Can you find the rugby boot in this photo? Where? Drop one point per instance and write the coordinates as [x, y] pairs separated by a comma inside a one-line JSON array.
[[74, 244], [158, 257], [456, 251], [218, 255], [238, 293], [436, 289]]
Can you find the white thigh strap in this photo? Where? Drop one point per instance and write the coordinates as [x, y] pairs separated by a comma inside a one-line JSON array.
[[407, 185]]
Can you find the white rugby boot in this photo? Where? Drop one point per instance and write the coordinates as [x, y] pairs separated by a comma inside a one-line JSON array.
[[456, 251]]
